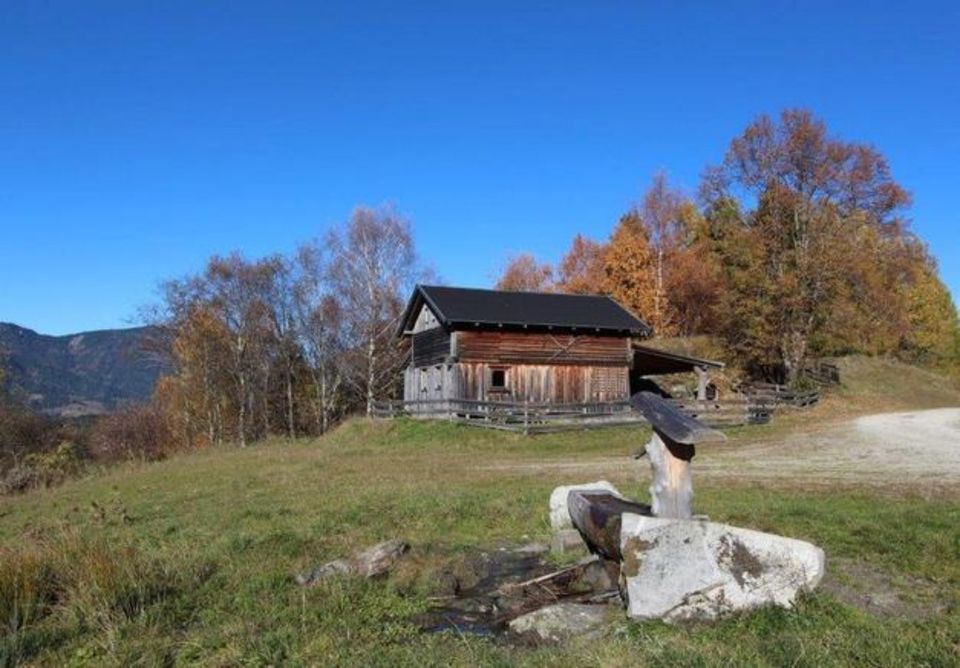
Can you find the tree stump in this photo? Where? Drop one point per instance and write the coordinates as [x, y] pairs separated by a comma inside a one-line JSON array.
[[671, 491], [670, 449]]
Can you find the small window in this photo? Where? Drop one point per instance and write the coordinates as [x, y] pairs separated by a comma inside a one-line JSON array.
[[498, 379]]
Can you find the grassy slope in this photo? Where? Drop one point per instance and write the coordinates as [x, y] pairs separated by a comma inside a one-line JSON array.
[[189, 560]]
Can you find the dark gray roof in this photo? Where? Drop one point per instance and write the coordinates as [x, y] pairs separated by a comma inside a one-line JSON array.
[[468, 308], [652, 362]]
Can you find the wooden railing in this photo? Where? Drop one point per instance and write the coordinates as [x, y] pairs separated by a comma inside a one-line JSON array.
[[530, 417], [779, 395], [823, 373]]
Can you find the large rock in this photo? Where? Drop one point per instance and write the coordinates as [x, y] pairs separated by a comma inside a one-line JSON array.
[[559, 511], [562, 621], [691, 569]]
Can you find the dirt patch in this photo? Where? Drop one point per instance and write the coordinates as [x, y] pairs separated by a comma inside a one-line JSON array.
[[878, 592], [739, 559], [481, 592]]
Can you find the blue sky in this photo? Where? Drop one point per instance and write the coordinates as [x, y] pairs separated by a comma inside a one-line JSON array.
[[138, 138]]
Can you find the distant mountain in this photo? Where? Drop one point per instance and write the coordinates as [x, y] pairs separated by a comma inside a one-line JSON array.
[[78, 374]]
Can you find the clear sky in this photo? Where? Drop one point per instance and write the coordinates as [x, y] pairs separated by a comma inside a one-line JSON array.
[[138, 138]]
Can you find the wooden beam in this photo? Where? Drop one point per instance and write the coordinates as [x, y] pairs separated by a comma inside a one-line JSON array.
[[671, 422]]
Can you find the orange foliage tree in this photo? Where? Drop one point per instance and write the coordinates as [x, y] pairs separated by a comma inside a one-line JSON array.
[[523, 273], [582, 270], [628, 269]]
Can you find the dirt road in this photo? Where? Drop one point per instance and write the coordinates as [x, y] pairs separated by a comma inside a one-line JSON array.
[[886, 448]]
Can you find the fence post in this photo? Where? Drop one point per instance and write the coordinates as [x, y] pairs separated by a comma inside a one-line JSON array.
[[526, 416]]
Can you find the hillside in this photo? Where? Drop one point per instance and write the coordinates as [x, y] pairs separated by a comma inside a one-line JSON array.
[[190, 560], [77, 374]]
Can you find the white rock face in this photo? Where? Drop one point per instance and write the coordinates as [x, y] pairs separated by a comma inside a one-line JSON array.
[[692, 569], [560, 513]]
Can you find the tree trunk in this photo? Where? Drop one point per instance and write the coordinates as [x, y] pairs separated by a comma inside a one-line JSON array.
[[671, 490], [371, 372], [290, 427], [242, 413]]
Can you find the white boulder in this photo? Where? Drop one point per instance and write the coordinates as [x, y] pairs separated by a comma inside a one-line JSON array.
[[693, 569], [560, 513]]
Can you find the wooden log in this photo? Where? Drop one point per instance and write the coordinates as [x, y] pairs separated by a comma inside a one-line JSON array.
[[596, 515]]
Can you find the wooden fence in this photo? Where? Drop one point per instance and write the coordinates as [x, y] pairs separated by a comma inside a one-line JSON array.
[[544, 417], [779, 395], [823, 373]]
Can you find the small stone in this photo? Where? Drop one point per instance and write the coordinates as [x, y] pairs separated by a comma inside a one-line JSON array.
[[532, 548], [562, 621], [567, 540], [378, 559], [560, 513], [335, 567], [597, 576]]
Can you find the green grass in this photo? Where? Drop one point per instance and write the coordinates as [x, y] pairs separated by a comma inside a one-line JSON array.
[[199, 571], [190, 560]]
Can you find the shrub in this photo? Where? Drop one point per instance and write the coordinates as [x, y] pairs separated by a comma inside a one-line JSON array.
[[139, 432], [42, 469]]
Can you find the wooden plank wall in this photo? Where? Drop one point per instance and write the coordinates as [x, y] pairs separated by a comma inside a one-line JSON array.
[[541, 348], [429, 383], [524, 382], [431, 346], [565, 383]]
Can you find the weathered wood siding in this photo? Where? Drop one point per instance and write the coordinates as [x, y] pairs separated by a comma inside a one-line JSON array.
[[541, 348], [524, 382], [431, 346], [429, 383]]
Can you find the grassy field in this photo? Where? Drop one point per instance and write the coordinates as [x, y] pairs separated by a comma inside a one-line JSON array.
[[190, 560]]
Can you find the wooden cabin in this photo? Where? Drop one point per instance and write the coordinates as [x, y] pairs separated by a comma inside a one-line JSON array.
[[490, 345]]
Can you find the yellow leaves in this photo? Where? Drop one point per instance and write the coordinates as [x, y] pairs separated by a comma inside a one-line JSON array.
[[629, 276], [934, 335]]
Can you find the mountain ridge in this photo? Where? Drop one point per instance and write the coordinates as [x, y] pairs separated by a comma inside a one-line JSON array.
[[84, 373]]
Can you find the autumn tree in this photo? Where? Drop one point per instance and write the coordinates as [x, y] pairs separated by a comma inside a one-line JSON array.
[[933, 337], [809, 191], [523, 273], [694, 283], [628, 268], [195, 395], [582, 269]]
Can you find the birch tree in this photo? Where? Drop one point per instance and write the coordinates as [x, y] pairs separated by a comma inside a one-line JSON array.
[[372, 270]]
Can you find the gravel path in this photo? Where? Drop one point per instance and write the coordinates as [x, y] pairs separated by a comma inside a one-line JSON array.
[[886, 449]]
